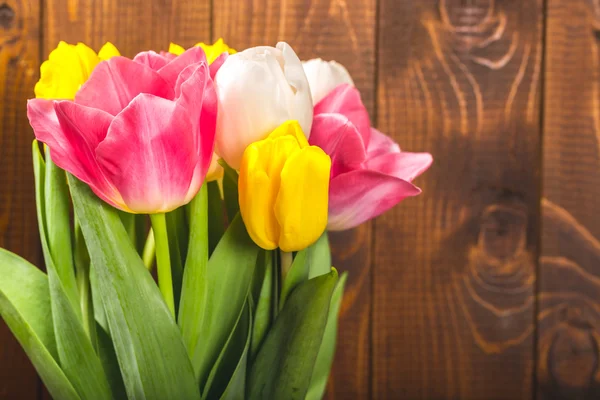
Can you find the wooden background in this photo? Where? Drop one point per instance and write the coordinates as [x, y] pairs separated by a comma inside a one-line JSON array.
[[485, 287]]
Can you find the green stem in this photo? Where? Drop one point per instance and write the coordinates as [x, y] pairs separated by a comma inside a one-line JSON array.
[[286, 263], [163, 260], [149, 250]]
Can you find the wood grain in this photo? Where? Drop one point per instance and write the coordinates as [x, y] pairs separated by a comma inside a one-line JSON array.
[[455, 269], [344, 31], [133, 25], [19, 60], [569, 275]]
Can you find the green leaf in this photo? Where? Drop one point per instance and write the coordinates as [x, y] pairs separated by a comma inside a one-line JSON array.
[[318, 382], [82, 266], [264, 308], [216, 223], [228, 280], [230, 191], [153, 360], [99, 314], [128, 221], [25, 307], [193, 292], [320, 257], [78, 359], [284, 364], [236, 387], [297, 274], [229, 372], [108, 357], [56, 227]]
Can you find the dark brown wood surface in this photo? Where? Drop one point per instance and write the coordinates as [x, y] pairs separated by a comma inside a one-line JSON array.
[[19, 63], [454, 277], [487, 286], [569, 274]]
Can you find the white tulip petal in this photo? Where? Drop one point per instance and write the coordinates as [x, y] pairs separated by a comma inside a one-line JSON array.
[[324, 76], [259, 89]]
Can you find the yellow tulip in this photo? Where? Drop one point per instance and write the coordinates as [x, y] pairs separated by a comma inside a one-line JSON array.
[[212, 51], [68, 67], [284, 190]]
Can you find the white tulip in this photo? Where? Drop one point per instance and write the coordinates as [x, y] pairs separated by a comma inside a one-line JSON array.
[[324, 76], [258, 89]]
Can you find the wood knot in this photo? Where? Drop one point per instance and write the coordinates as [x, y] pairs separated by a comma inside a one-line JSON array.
[[573, 358], [466, 13], [569, 354], [7, 16], [503, 232]]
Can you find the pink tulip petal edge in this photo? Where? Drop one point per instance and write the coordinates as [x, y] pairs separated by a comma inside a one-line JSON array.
[[140, 132], [369, 172]]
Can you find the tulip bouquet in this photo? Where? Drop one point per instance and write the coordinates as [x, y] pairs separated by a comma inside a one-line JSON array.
[[183, 199]]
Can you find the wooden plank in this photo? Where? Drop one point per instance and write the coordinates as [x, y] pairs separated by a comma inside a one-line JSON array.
[[19, 60], [455, 269], [133, 26], [344, 31], [569, 274]]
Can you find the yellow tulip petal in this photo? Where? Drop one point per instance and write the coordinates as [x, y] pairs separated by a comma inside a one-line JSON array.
[[176, 49], [284, 189], [256, 197], [301, 205], [292, 129], [88, 59], [56, 83], [215, 50], [108, 51], [67, 68]]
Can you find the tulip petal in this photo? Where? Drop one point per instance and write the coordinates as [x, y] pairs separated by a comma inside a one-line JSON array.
[[381, 144], [402, 165], [171, 71], [361, 195], [301, 206], [345, 99], [325, 76], [72, 132], [153, 60], [196, 94], [114, 83], [149, 155], [197, 98], [294, 73], [257, 194], [176, 49], [108, 51], [70, 150], [339, 138], [216, 65], [66, 69]]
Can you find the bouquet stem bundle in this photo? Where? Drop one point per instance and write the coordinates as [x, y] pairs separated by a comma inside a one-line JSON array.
[[242, 161], [231, 322]]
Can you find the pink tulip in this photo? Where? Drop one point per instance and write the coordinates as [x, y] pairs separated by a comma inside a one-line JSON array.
[[140, 133], [369, 172], [158, 60]]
